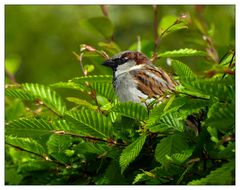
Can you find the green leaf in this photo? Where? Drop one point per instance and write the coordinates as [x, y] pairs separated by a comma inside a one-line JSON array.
[[16, 92], [213, 87], [227, 58], [131, 110], [170, 120], [182, 53], [69, 85], [168, 106], [88, 147], [11, 176], [180, 158], [92, 123], [193, 105], [182, 70], [58, 145], [102, 84], [223, 175], [30, 91], [158, 173], [221, 116], [14, 110], [113, 174], [140, 177], [130, 153], [47, 95], [89, 68], [169, 146], [92, 78], [171, 23], [29, 127], [27, 144], [104, 89], [12, 64], [81, 102], [102, 25]]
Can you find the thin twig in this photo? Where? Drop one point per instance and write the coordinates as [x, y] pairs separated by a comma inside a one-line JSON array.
[[104, 10], [89, 138], [81, 63], [139, 47], [34, 153], [40, 102], [155, 28], [11, 77], [159, 38]]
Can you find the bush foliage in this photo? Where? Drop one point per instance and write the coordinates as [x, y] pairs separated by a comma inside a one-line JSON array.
[[92, 138]]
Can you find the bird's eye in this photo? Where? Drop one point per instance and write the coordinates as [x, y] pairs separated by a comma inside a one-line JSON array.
[[124, 59], [121, 60]]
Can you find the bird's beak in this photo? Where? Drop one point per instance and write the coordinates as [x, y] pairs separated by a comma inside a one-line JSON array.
[[109, 63]]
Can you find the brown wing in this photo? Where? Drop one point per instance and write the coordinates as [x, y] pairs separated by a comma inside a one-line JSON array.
[[153, 81]]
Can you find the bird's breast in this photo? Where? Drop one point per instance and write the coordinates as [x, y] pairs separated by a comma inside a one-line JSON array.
[[126, 89]]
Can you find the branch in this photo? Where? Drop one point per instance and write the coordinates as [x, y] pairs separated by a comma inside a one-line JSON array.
[[104, 10], [34, 153], [88, 137], [40, 102]]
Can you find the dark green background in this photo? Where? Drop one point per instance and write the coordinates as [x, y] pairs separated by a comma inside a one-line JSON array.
[[41, 38]]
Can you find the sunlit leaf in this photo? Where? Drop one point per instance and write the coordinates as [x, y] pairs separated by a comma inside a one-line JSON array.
[[182, 53], [132, 110], [92, 123]]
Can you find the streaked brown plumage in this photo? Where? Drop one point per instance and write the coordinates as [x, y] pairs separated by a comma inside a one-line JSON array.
[[136, 78]]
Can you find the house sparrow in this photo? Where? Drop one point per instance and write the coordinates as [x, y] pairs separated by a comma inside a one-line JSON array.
[[136, 79]]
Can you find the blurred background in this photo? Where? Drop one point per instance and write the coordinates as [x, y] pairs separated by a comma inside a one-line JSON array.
[[40, 39]]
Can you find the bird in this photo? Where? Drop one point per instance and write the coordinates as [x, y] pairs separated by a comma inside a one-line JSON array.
[[136, 79]]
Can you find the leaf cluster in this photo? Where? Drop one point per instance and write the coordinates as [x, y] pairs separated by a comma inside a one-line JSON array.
[[189, 138]]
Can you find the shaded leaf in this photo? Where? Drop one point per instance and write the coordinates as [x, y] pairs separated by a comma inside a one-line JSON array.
[[221, 116], [130, 153], [57, 146], [29, 127], [16, 92], [27, 144], [88, 147], [170, 120], [216, 88], [58, 143], [169, 146], [182, 70], [221, 176]]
